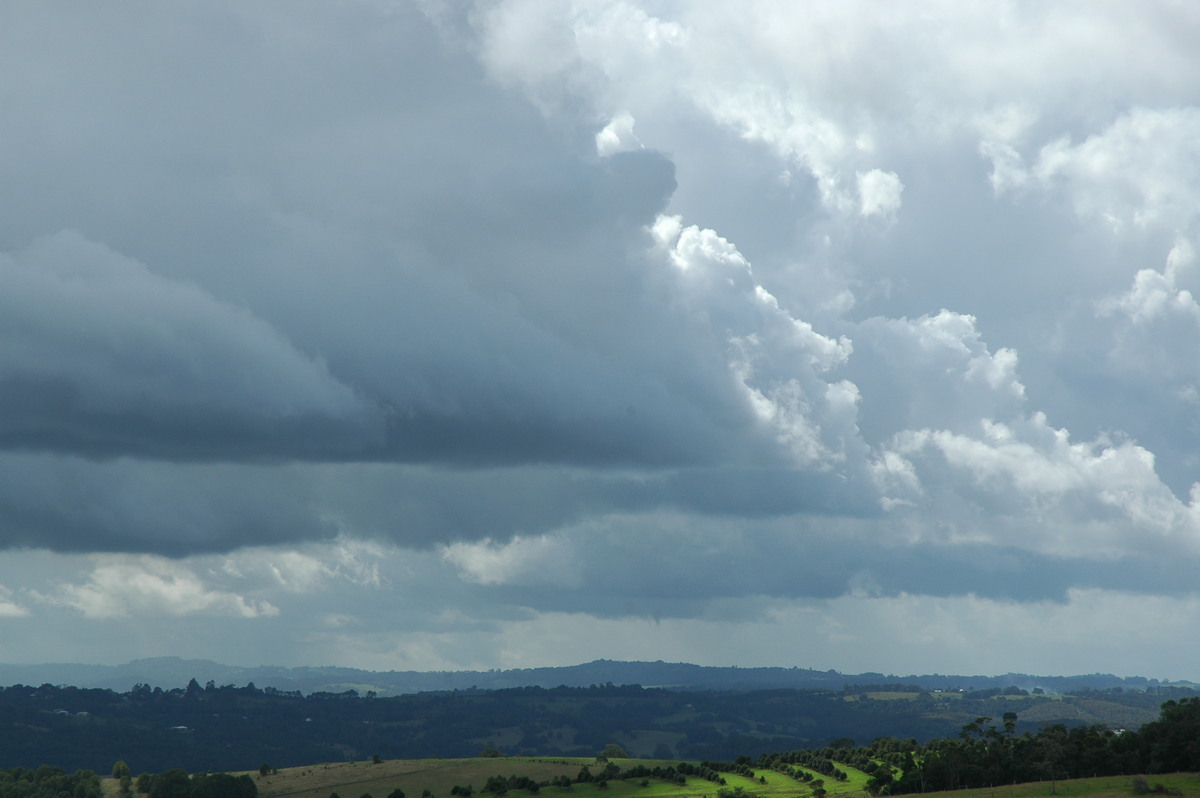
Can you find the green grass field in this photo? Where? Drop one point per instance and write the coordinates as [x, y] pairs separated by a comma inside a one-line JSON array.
[[439, 776], [1104, 787]]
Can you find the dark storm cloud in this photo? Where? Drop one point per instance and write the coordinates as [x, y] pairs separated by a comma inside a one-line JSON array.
[[312, 257], [441, 262], [102, 357], [70, 504]]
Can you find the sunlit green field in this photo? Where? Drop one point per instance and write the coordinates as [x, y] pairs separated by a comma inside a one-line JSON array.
[[440, 776], [1103, 787], [437, 777]]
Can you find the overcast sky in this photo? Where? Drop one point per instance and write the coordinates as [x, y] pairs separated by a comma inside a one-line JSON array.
[[446, 335]]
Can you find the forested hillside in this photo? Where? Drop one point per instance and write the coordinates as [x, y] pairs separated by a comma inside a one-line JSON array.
[[172, 672], [236, 728]]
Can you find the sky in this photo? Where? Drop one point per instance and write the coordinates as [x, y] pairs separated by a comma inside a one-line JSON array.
[[404, 334]]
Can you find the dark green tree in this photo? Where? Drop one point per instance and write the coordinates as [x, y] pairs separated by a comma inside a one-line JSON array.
[[1052, 744], [613, 751], [171, 784], [881, 780], [1173, 741], [124, 777], [223, 785]]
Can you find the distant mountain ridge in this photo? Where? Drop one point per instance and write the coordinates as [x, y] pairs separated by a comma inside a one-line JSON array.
[[171, 672]]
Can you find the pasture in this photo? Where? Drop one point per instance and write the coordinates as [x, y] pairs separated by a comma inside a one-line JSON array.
[[437, 777]]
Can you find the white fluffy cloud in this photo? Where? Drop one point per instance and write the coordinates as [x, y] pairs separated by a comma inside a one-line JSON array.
[[1099, 499], [10, 608], [879, 193], [542, 560], [121, 587], [617, 136], [1138, 171]]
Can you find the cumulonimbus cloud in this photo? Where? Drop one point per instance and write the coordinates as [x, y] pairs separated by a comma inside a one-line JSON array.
[[791, 306]]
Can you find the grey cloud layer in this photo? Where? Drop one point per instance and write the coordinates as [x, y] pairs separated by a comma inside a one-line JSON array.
[[474, 284], [102, 356], [386, 280], [669, 306]]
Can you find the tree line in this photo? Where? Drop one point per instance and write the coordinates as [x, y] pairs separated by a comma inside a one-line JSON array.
[[227, 728], [49, 782], [986, 753]]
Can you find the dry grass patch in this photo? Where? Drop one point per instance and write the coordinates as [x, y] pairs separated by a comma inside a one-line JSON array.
[[413, 776]]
